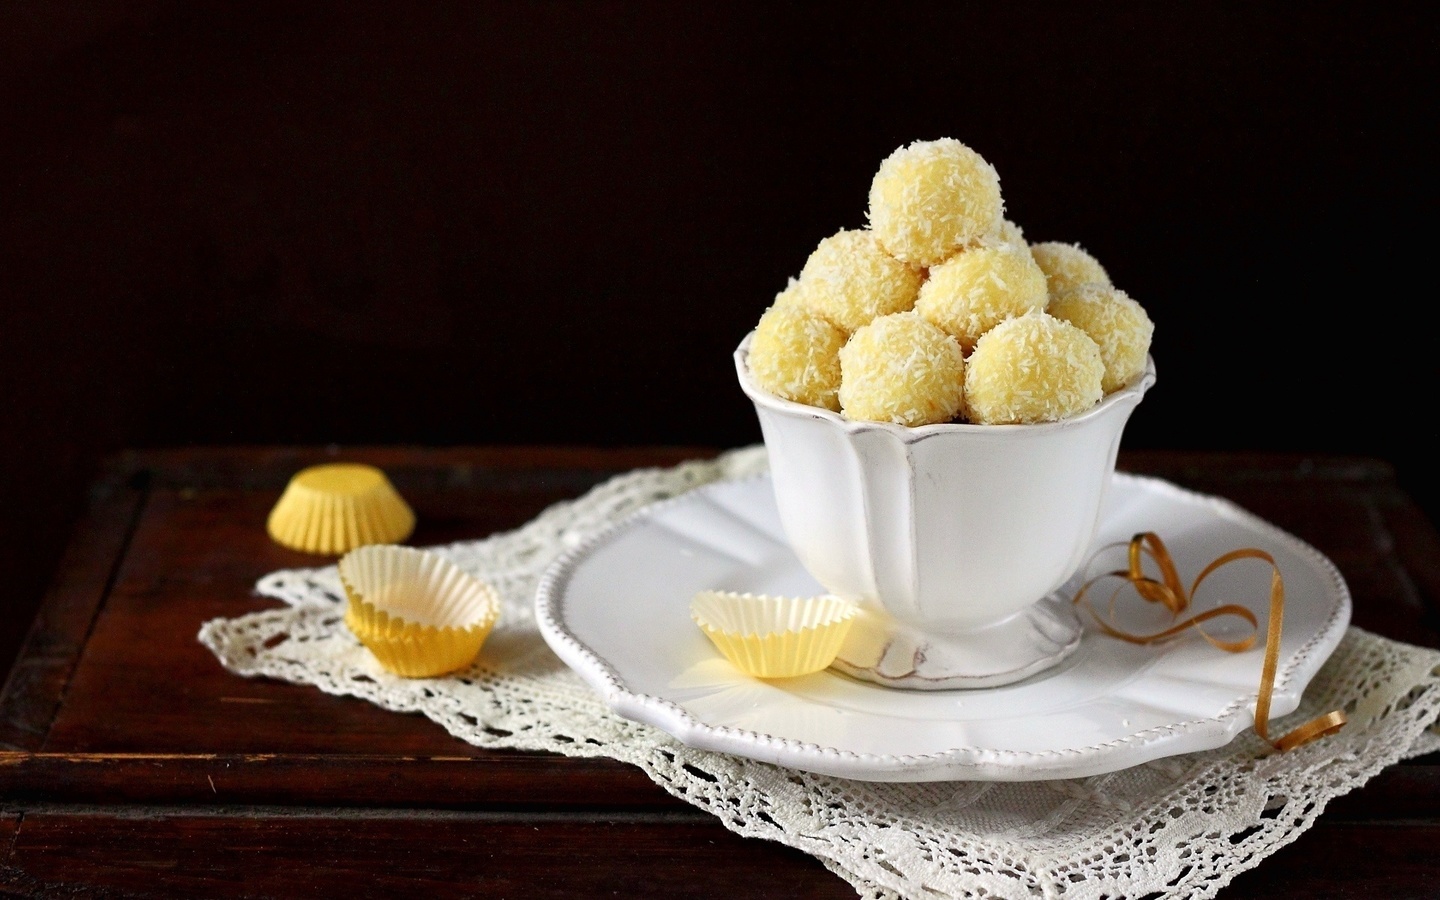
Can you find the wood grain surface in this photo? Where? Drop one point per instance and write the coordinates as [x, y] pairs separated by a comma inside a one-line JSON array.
[[133, 765]]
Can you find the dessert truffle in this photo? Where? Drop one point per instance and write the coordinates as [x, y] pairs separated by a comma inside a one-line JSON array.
[[1067, 265], [930, 198], [901, 369], [978, 288], [850, 279], [1116, 322], [795, 354], [790, 296], [1030, 369], [1010, 233]]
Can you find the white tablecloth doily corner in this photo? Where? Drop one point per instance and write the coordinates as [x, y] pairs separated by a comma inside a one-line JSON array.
[[1176, 828]]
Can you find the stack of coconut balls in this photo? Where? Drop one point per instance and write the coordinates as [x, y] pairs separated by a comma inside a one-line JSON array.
[[941, 312]]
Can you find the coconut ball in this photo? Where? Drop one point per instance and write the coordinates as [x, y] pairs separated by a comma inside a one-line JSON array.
[[930, 198], [1067, 265], [1010, 233], [901, 369], [795, 355], [850, 279], [976, 289], [790, 296], [1116, 322], [1030, 369]]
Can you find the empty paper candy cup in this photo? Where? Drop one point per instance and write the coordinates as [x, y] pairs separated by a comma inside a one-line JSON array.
[[419, 613], [774, 637], [337, 507]]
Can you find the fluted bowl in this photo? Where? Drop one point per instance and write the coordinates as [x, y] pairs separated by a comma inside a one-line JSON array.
[[952, 538]]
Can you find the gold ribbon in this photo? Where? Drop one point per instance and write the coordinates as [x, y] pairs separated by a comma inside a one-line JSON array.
[[1170, 591]]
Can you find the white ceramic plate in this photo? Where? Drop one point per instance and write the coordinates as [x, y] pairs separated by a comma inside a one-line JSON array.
[[617, 610]]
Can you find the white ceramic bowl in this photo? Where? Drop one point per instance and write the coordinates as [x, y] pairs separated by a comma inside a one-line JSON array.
[[951, 537]]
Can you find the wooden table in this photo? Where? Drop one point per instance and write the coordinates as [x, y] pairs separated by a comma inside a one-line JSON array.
[[132, 764]]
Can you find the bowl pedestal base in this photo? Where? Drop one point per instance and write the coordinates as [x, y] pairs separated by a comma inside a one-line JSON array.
[[889, 652]]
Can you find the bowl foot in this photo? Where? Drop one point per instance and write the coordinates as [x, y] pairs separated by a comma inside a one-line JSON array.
[[889, 652]]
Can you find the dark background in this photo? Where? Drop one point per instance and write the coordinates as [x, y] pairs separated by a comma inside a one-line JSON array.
[[455, 223]]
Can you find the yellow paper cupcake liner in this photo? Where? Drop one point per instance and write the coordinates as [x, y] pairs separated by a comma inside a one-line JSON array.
[[336, 507], [417, 612], [774, 637]]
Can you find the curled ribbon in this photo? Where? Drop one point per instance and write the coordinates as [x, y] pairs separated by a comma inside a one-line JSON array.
[[1170, 591]]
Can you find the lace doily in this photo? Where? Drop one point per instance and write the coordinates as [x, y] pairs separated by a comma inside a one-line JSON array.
[[1177, 827]]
